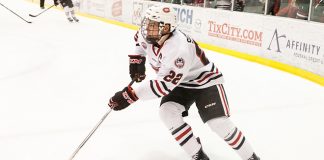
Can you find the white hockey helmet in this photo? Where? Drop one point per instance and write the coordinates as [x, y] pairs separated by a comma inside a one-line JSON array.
[[158, 16]]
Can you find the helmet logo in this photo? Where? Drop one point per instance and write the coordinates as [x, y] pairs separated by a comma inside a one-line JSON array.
[[166, 10]]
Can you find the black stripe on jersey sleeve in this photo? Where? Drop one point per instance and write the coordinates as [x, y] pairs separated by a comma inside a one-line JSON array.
[[165, 87], [152, 88], [213, 67], [136, 36], [201, 55], [202, 73]]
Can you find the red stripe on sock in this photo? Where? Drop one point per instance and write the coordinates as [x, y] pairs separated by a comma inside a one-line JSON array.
[[237, 139], [183, 134]]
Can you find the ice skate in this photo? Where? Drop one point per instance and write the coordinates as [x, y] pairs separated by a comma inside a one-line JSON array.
[[75, 19], [70, 19], [254, 157], [200, 155]]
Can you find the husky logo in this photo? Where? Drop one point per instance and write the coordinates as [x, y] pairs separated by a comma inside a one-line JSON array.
[[276, 37], [179, 62]]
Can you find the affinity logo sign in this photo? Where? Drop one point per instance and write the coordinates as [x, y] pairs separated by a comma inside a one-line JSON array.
[[276, 38], [299, 48]]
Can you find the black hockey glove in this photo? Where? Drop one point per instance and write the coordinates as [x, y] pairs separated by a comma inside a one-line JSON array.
[[122, 99], [137, 67], [56, 2]]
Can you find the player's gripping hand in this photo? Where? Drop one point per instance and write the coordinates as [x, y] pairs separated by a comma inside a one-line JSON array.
[[56, 2], [137, 67], [122, 99]]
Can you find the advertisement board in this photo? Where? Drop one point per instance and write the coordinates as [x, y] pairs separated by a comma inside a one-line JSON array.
[[291, 42], [295, 44]]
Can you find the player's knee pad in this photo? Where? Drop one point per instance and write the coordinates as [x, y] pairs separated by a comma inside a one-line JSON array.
[[66, 9], [223, 126], [171, 114]]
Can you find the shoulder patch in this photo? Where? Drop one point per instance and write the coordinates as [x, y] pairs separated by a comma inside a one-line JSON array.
[[144, 45], [179, 62]]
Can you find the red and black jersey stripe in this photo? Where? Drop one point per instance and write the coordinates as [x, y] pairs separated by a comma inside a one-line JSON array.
[[159, 88], [201, 54], [136, 39], [204, 78]]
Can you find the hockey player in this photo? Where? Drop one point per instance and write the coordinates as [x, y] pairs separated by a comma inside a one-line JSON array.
[[184, 76], [41, 4], [68, 9]]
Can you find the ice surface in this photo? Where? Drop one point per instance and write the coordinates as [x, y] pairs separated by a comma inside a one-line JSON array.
[[56, 78]]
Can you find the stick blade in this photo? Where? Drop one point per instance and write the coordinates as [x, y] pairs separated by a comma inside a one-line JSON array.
[[32, 15]]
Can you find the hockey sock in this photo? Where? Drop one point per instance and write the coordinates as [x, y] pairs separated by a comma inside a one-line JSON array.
[[67, 11], [184, 136], [72, 13], [171, 115], [225, 128]]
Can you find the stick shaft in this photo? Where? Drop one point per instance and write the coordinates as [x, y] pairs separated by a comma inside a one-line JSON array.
[[90, 134], [41, 12], [94, 129], [15, 13]]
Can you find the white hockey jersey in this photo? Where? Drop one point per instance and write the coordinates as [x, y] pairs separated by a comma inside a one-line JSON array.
[[178, 62]]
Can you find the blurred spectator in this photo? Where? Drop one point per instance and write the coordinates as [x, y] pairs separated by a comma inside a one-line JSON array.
[[211, 3], [298, 9], [289, 10], [199, 3], [169, 1], [273, 7], [188, 2], [223, 4], [295, 9], [254, 6], [176, 1], [239, 5], [303, 9], [227, 5], [165, 1], [318, 11]]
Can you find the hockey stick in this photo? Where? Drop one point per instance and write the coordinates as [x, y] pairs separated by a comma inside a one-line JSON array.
[[93, 130], [15, 13], [41, 12]]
